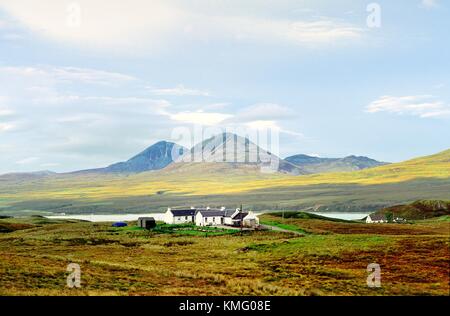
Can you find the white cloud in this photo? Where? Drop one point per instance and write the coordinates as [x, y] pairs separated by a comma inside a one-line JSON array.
[[157, 105], [92, 76], [264, 112], [68, 74], [293, 133], [137, 25], [9, 31], [4, 110], [419, 105], [429, 4], [438, 113], [261, 125], [6, 127], [5, 113], [199, 117], [12, 37], [439, 86], [215, 106], [264, 116], [26, 161], [259, 116], [50, 164], [297, 32], [102, 23], [179, 90]]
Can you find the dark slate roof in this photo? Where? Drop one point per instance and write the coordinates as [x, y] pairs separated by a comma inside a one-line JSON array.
[[228, 212], [240, 215], [184, 212], [377, 217], [211, 212]]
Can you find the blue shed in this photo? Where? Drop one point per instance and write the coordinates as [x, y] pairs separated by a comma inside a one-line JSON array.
[[119, 224]]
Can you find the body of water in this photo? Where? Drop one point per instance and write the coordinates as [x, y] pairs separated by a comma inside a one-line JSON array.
[[350, 216], [160, 216], [109, 218]]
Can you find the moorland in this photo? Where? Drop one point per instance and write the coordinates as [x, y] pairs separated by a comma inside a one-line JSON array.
[[319, 257]]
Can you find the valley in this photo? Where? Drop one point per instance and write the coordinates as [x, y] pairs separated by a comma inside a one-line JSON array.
[[232, 184]]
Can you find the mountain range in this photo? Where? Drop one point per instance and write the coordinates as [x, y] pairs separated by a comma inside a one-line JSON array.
[[322, 165], [238, 151], [226, 148], [224, 183], [155, 157]]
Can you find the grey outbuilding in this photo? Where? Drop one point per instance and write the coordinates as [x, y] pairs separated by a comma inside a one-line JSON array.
[[146, 222]]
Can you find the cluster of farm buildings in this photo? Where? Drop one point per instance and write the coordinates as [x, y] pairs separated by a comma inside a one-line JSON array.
[[211, 217], [380, 218]]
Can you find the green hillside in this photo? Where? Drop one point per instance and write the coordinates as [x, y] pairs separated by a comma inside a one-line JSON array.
[[304, 215], [228, 184], [421, 209]]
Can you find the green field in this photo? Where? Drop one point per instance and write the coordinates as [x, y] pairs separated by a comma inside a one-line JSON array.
[[330, 258]]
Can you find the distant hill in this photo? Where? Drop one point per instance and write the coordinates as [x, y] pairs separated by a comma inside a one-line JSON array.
[[155, 157], [421, 209], [225, 148], [322, 165], [305, 215], [27, 175], [234, 149], [230, 184]]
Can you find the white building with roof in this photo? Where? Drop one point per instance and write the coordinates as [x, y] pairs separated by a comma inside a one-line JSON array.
[[180, 216], [209, 217], [376, 218]]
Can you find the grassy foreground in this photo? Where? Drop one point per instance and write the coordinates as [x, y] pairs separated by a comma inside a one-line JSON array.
[[330, 258]]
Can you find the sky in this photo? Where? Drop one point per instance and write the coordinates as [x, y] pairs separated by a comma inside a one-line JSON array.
[[87, 83]]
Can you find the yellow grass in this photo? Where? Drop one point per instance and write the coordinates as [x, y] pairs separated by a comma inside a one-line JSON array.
[[330, 260], [201, 179]]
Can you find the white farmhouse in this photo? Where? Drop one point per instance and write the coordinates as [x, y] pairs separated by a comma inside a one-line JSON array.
[[209, 217], [250, 220], [230, 217], [180, 216], [376, 218]]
